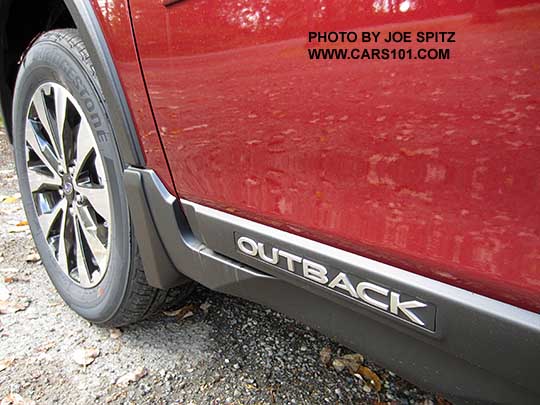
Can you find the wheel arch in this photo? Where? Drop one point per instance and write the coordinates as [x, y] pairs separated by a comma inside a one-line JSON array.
[[18, 29]]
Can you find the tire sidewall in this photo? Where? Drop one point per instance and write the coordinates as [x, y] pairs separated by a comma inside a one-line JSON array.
[[58, 62]]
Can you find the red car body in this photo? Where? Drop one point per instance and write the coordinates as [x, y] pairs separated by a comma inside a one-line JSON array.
[[389, 203], [431, 166]]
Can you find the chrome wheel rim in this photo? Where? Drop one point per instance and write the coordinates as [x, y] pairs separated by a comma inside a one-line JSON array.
[[68, 184]]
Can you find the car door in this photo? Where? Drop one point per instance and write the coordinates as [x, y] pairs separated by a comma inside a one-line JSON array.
[[430, 165]]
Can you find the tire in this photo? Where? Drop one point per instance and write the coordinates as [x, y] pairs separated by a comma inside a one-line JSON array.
[[85, 242]]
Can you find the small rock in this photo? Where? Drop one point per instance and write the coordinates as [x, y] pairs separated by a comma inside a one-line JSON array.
[[145, 389], [115, 333], [85, 357], [16, 399], [132, 376], [205, 306], [32, 258], [4, 292], [359, 377]]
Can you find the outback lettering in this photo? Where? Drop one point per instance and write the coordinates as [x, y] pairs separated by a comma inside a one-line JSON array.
[[372, 294]]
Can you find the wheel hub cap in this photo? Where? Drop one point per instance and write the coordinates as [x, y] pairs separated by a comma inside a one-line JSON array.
[[68, 186]]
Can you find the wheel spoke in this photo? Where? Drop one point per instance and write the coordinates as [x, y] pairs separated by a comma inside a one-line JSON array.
[[60, 105], [40, 181], [82, 266], [89, 229], [97, 197], [47, 219], [85, 146], [47, 121], [63, 244], [43, 150]]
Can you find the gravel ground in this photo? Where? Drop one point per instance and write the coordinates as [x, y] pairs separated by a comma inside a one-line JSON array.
[[228, 351]]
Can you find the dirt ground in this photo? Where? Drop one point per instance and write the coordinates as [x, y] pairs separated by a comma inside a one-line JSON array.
[[228, 351]]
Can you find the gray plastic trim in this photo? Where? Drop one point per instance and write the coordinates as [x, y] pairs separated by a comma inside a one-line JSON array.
[[216, 229]]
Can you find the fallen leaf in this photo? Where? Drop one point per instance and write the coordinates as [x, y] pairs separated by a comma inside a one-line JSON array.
[[33, 258], [6, 363], [22, 223], [441, 401], [10, 307], [18, 229], [85, 357], [353, 361], [132, 376], [16, 399], [325, 355], [350, 361], [182, 313], [338, 365], [115, 333], [13, 279], [354, 357], [11, 199], [370, 376], [114, 397]]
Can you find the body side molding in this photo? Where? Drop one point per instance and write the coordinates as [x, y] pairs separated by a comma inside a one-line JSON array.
[[481, 349]]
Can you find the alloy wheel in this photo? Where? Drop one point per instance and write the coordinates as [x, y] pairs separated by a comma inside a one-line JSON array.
[[68, 184]]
